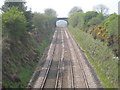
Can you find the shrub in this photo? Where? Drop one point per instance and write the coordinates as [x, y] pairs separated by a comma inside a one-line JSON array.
[[100, 55], [77, 19], [111, 23]]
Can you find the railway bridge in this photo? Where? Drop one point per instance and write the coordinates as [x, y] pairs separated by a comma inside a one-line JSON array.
[[63, 18]]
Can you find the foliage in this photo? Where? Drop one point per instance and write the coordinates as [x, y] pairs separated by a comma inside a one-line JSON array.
[[43, 21], [14, 23], [101, 16], [105, 32], [91, 22], [24, 61], [89, 15], [29, 16], [21, 7], [8, 5], [21, 55], [50, 12], [111, 23], [77, 19], [96, 20], [100, 55], [100, 32], [75, 9]]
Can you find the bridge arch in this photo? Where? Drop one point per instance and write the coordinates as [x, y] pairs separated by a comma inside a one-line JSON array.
[[62, 21], [63, 18]]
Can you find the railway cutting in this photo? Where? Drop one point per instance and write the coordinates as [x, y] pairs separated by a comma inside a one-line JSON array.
[[65, 65]]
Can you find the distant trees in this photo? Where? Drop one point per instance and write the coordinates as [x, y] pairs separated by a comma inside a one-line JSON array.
[[75, 9], [101, 9], [77, 19], [99, 26], [96, 20], [44, 25], [43, 21], [88, 16], [50, 11]]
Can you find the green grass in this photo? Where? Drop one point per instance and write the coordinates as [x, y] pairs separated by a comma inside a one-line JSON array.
[[100, 56], [101, 74], [26, 74]]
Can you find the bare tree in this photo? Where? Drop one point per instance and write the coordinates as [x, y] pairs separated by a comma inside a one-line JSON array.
[[101, 9], [50, 11], [75, 9]]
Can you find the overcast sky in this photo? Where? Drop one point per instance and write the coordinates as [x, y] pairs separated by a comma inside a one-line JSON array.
[[62, 7]]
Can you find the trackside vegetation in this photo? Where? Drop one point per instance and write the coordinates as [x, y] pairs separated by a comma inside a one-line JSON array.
[[25, 35], [98, 36]]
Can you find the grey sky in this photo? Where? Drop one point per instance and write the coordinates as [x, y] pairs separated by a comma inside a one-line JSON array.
[[62, 7]]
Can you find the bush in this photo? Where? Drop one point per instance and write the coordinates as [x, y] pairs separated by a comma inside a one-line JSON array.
[[77, 19], [94, 21], [111, 23], [14, 23], [101, 57], [89, 15], [100, 33]]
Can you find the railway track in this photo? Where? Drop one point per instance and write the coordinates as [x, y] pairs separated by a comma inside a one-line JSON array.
[[65, 65], [39, 83], [78, 77], [60, 66]]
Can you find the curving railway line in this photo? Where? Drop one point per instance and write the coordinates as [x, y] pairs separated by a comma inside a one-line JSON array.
[[65, 66]]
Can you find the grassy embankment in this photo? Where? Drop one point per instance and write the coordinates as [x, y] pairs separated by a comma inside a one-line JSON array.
[[100, 55], [20, 62]]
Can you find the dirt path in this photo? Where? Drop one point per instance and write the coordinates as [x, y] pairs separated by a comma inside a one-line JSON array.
[[65, 65]]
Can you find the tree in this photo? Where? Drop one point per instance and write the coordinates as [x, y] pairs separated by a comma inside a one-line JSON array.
[[50, 11], [14, 22], [29, 16], [43, 21], [88, 16], [101, 9], [75, 9], [20, 4], [9, 4], [96, 20], [111, 23], [77, 19]]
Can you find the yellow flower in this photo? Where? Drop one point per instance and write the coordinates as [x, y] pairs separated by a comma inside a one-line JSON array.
[[98, 33]]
